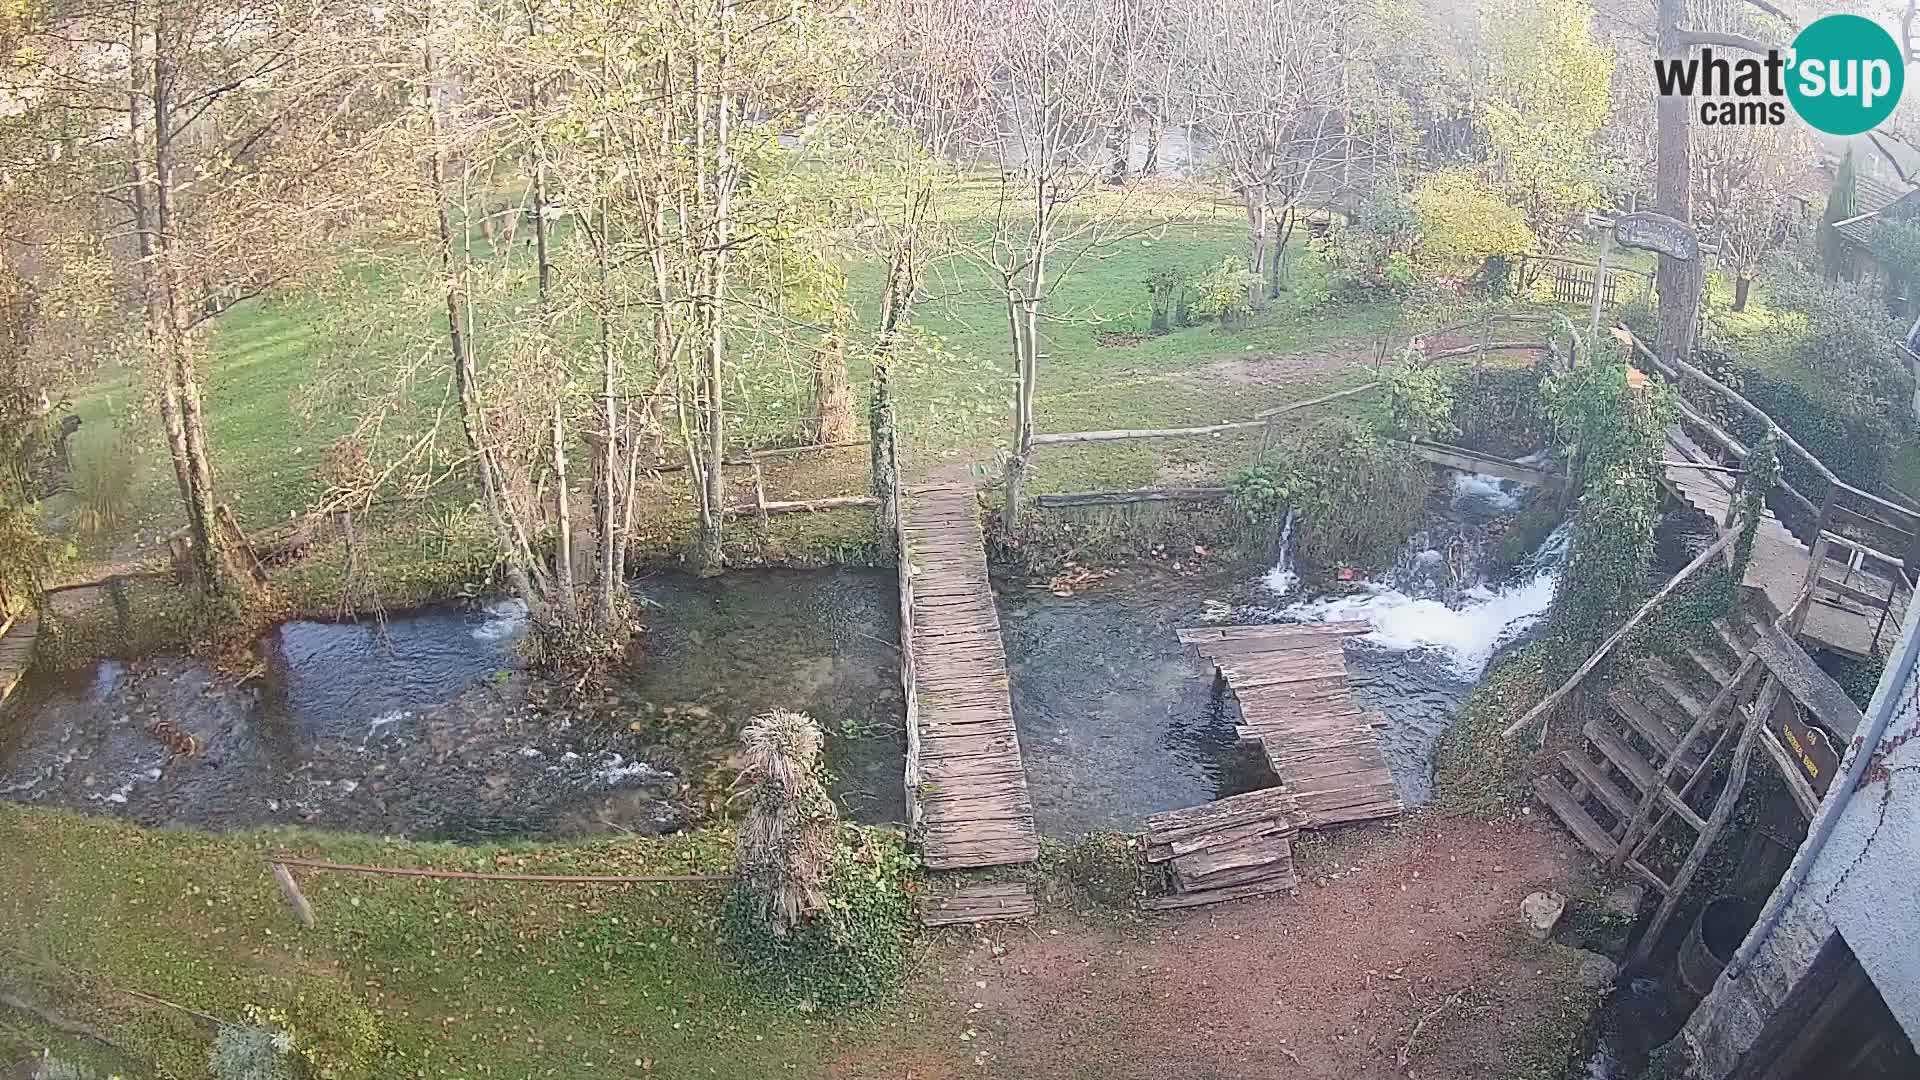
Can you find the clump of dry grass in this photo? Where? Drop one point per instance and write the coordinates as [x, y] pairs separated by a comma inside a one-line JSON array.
[[785, 850]]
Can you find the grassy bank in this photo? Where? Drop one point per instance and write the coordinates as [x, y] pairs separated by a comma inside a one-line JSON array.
[[402, 977]]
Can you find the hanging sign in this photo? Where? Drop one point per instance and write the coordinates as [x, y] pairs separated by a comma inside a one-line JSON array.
[[1657, 232]]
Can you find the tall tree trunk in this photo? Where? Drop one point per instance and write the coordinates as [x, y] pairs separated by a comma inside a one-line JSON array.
[[708, 554], [1258, 216], [611, 572], [565, 603], [1156, 129], [1677, 281], [832, 396], [1741, 284], [176, 346], [466, 383], [138, 107]]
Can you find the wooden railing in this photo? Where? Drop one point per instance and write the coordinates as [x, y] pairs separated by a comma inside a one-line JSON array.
[[1877, 539]]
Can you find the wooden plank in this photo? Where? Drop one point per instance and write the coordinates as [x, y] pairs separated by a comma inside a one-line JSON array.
[[1178, 901], [1623, 757], [985, 902], [1137, 495], [1157, 853], [1641, 719], [1574, 816], [1255, 851], [1454, 457], [1803, 679], [1267, 804], [1589, 772], [1196, 635]]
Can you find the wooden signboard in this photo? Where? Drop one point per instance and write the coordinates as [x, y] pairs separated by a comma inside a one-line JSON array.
[[1810, 748], [1657, 232]]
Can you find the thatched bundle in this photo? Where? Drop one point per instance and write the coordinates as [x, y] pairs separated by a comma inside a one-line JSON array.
[[786, 840]]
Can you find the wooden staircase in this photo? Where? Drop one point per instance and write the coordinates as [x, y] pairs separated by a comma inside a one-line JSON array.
[[1640, 765]]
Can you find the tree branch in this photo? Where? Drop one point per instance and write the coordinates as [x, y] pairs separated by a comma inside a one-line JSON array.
[[1714, 37]]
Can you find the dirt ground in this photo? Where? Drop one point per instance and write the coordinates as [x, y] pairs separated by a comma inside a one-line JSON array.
[[1392, 930]]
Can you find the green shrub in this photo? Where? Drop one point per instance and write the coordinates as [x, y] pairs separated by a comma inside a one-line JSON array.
[[334, 1033], [848, 955], [1102, 868], [1372, 255], [247, 1052], [1317, 477], [1857, 444], [1463, 225], [1498, 409], [1226, 293], [1618, 435], [1422, 397]]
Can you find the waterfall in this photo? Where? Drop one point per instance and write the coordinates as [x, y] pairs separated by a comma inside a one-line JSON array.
[[1467, 629], [1283, 579]]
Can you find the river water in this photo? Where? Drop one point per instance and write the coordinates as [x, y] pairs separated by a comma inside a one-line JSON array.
[[424, 725]]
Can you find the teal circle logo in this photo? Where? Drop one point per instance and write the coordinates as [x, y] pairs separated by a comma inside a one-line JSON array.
[[1846, 74]]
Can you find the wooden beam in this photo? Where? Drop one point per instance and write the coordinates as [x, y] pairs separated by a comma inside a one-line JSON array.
[[833, 502], [1809, 685], [1722, 811], [1606, 647], [1121, 434], [1291, 406], [1120, 498], [1454, 457]]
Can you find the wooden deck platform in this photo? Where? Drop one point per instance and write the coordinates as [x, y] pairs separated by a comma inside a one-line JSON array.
[[966, 784], [17, 638], [1291, 681], [1837, 620]]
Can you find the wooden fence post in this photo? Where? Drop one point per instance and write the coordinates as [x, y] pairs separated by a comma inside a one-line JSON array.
[[297, 900]]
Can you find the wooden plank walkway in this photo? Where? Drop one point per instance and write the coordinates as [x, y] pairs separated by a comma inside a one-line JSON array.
[[16, 652], [1291, 681], [966, 784], [1780, 563]]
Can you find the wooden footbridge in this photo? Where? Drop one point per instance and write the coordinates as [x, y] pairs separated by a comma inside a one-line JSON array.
[[1291, 682], [966, 784]]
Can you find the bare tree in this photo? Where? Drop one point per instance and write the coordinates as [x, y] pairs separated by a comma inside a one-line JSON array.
[[1268, 79], [1745, 180]]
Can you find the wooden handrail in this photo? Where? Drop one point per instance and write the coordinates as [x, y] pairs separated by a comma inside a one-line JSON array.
[[1606, 647], [1759, 414]]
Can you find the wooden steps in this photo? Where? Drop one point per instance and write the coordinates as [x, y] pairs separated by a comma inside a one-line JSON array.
[[1641, 720], [1594, 776], [986, 901], [1575, 817], [1225, 850]]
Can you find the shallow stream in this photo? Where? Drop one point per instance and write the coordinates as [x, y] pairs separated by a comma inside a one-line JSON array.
[[423, 724]]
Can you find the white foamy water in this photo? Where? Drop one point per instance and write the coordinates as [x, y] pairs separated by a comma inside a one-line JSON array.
[[505, 619], [1485, 489], [1283, 579], [1468, 633]]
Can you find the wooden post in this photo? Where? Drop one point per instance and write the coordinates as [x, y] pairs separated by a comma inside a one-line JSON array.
[[297, 900], [760, 493], [239, 539], [1599, 278]]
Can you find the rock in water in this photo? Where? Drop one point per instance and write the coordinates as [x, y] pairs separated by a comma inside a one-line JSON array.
[[1541, 912]]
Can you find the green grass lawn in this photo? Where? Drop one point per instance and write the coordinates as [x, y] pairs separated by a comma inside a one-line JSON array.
[[448, 978], [277, 395]]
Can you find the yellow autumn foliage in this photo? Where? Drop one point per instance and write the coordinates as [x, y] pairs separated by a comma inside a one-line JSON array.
[[1463, 224]]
